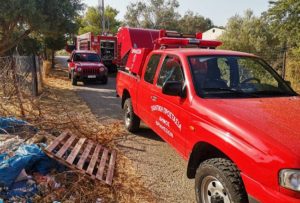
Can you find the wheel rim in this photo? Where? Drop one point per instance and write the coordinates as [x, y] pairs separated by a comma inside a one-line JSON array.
[[212, 191], [127, 116]]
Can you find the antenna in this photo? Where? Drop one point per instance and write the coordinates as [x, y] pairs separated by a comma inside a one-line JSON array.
[[102, 9]]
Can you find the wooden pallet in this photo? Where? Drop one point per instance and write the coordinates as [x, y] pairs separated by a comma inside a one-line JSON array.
[[83, 155]]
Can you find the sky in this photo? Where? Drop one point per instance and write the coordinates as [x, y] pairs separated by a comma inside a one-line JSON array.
[[219, 11]]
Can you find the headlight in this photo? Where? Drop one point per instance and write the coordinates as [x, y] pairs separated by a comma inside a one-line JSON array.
[[79, 69], [290, 179], [102, 69]]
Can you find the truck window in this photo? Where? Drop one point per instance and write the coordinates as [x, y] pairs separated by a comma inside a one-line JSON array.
[[170, 71], [151, 68]]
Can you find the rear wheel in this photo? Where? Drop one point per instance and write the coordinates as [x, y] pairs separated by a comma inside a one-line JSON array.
[[73, 79], [131, 120], [219, 181]]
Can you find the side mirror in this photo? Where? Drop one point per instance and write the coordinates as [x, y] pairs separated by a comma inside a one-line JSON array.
[[173, 88], [69, 60], [289, 83]]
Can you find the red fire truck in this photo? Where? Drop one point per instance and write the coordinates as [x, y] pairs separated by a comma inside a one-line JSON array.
[[229, 114], [105, 46]]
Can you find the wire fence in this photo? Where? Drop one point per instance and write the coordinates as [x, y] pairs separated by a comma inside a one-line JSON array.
[[20, 80]]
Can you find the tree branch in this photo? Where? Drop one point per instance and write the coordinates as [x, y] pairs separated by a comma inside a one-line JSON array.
[[7, 45]]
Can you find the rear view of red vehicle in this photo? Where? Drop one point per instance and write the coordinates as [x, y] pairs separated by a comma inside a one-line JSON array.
[[229, 114], [105, 46], [86, 66]]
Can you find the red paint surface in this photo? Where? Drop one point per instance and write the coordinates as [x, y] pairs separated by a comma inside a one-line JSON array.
[[73, 65], [261, 135]]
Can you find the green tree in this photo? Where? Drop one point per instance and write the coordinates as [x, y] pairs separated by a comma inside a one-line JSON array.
[[50, 18], [254, 35], [284, 16], [29, 45], [55, 44], [92, 20], [192, 23], [155, 14]]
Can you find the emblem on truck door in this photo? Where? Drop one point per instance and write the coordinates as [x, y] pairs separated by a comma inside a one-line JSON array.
[[168, 113]]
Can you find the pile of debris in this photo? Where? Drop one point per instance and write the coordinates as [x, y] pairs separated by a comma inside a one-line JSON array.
[[30, 161]]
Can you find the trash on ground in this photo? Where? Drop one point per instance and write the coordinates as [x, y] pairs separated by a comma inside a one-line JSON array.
[[9, 144], [28, 157], [83, 155], [12, 125], [17, 161]]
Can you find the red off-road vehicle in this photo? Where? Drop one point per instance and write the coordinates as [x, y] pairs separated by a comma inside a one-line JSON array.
[[86, 66], [228, 113]]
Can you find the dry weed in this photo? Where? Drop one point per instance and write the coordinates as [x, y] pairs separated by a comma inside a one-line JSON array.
[[57, 109]]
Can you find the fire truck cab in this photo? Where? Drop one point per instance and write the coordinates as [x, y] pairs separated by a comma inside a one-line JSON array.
[[229, 114]]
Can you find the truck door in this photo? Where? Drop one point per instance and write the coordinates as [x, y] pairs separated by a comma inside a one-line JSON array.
[[169, 112], [145, 88], [71, 63]]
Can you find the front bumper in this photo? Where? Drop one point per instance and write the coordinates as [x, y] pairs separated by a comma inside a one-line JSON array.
[[84, 77], [260, 193]]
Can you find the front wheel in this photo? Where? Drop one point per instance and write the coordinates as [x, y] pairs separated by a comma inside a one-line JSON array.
[[219, 181], [73, 79], [132, 121], [105, 81]]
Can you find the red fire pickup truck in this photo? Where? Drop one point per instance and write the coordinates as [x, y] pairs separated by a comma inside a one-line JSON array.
[[228, 113], [86, 66]]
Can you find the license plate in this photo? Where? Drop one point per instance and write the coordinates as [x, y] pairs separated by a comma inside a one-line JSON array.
[[91, 76]]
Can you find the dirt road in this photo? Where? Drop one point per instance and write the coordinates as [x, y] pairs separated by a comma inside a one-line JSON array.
[[160, 167]]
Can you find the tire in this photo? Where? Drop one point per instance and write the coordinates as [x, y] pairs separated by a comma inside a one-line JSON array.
[[73, 79], [105, 81], [131, 120], [219, 181]]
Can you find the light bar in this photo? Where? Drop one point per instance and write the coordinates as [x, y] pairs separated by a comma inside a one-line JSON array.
[[174, 34], [187, 41]]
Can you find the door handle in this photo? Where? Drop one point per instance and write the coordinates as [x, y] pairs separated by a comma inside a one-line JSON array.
[[154, 98]]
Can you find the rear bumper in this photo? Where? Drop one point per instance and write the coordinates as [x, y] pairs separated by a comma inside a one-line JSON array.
[[260, 193]]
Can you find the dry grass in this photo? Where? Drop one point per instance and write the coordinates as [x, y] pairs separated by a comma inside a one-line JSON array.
[[59, 109]]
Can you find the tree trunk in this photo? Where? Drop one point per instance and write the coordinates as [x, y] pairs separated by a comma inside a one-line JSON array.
[[45, 53], [34, 77], [53, 58]]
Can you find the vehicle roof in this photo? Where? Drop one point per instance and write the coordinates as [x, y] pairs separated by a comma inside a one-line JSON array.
[[204, 52], [84, 52]]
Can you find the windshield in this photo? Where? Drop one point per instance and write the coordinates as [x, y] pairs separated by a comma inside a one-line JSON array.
[[236, 77], [86, 57]]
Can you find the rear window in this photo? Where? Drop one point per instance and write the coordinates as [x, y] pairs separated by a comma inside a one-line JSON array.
[[170, 71], [151, 68]]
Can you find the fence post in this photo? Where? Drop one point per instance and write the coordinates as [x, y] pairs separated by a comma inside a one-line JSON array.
[[34, 77], [284, 61], [17, 86]]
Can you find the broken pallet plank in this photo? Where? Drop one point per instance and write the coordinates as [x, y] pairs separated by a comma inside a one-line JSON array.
[[66, 146], [75, 151], [95, 160], [57, 141], [111, 168], [85, 155], [101, 166]]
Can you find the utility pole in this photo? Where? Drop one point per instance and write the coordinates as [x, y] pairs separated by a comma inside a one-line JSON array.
[[102, 10]]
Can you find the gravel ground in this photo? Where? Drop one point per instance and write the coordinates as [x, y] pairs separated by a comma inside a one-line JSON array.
[[160, 167]]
